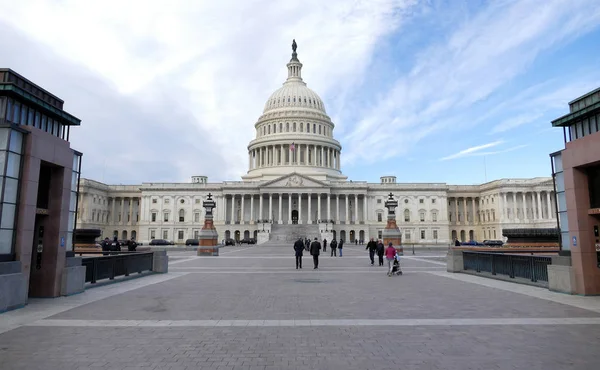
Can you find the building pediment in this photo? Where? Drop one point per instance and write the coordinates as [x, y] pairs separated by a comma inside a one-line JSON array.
[[294, 180]]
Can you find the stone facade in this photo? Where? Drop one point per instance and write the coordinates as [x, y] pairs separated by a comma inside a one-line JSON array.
[[295, 176]]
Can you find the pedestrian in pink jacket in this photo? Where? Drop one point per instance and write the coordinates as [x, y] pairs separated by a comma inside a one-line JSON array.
[[390, 255]]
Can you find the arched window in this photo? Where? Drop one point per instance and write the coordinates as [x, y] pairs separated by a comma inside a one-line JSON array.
[[274, 128], [269, 130], [280, 127], [406, 215], [294, 125], [319, 129], [314, 128], [308, 127], [301, 127], [181, 215], [287, 127]]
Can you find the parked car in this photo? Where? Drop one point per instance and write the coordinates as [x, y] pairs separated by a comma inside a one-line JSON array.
[[229, 241], [248, 241], [192, 242], [159, 242], [472, 243], [493, 243]]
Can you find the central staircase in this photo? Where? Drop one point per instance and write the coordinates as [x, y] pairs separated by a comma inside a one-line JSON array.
[[288, 234]]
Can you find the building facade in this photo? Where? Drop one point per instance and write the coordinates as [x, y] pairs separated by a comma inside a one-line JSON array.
[[576, 170], [39, 173], [295, 178]]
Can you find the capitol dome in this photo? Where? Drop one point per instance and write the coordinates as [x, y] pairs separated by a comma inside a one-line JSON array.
[[294, 134]]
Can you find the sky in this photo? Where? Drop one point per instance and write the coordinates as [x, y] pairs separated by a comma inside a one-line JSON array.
[[457, 92]]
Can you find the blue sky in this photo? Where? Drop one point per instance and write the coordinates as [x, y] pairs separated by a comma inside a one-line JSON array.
[[429, 91]]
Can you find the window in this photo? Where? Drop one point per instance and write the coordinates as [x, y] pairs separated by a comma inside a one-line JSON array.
[[180, 235], [153, 216], [119, 217], [181, 215], [152, 234], [405, 201], [407, 235], [494, 234], [197, 201], [422, 216], [182, 201], [379, 217], [197, 217], [434, 216], [422, 234], [421, 201], [314, 128], [435, 234], [406, 215], [167, 200], [166, 217], [433, 201], [196, 234], [154, 200], [165, 234], [378, 201]]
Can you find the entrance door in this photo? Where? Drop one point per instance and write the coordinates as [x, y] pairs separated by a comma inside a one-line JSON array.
[[294, 217], [352, 236]]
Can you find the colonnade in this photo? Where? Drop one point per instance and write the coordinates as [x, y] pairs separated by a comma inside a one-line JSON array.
[[297, 155], [291, 208]]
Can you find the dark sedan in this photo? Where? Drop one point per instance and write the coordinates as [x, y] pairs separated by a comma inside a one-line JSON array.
[[192, 242], [248, 241]]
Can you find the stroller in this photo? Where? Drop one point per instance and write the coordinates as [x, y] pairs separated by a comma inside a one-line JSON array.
[[396, 270]]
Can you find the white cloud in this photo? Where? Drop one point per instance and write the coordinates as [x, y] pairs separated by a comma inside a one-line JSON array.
[[224, 58], [472, 150], [469, 64]]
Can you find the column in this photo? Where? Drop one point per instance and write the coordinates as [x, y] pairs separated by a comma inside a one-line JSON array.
[[322, 156], [251, 208], [300, 208], [347, 213], [504, 207], [290, 195], [548, 205], [280, 155], [280, 218], [309, 218], [112, 213], [319, 207], [130, 211], [337, 208], [122, 211], [514, 205], [290, 155], [456, 211], [260, 206], [250, 160], [242, 219], [524, 206], [328, 207], [355, 208], [306, 154], [232, 208], [365, 215], [539, 205], [465, 210], [270, 215]]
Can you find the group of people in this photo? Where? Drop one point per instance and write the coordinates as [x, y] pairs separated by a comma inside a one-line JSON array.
[[314, 248], [115, 245], [373, 247], [391, 255]]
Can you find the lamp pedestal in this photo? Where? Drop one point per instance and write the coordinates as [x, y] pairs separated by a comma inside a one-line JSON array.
[[391, 233], [208, 238]]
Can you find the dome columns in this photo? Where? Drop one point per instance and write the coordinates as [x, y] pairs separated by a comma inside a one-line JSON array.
[[276, 155]]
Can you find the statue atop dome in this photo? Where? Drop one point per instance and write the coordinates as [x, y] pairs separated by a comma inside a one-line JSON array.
[[294, 54], [294, 45]]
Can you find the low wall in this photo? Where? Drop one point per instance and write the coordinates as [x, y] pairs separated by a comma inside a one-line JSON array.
[[13, 290]]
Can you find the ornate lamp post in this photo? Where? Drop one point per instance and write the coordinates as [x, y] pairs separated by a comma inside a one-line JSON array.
[[208, 238], [392, 233]]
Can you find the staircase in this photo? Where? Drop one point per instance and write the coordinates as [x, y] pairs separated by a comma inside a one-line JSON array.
[[288, 234]]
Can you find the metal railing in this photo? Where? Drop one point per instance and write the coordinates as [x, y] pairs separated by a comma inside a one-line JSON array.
[[115, 264], [533, 268]]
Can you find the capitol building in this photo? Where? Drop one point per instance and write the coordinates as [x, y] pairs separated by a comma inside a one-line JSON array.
[[295, 185]]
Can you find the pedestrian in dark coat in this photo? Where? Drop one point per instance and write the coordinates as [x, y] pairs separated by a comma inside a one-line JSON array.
[[105, 246], [315, 250], [380, 252], [307, 244], [333, 248], [372, 247], [340, 246], [324, 245], [299, 248]]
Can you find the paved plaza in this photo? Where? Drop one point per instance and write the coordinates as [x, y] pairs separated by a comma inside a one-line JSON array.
[[251, 309]]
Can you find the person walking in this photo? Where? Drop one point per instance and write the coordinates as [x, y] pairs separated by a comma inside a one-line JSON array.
[[299, 248], [307, 242], [390, 255], [315, 250], [380, 252], [372, 247], [105, 246], [324, 245], [333, 246], [340, 246]]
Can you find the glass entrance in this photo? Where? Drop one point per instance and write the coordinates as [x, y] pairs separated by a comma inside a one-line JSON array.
[[294, 217]]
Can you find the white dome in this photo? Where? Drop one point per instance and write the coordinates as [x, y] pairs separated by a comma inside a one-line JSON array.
[[294, 94]]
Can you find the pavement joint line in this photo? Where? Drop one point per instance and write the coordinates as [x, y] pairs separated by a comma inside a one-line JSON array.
[[294, 271], [257, 268], [237, 250], [39, 309], [423, 260], [590, 303], [317, 322]]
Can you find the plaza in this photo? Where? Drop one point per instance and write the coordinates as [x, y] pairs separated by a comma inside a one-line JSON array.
[[250, 308]]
